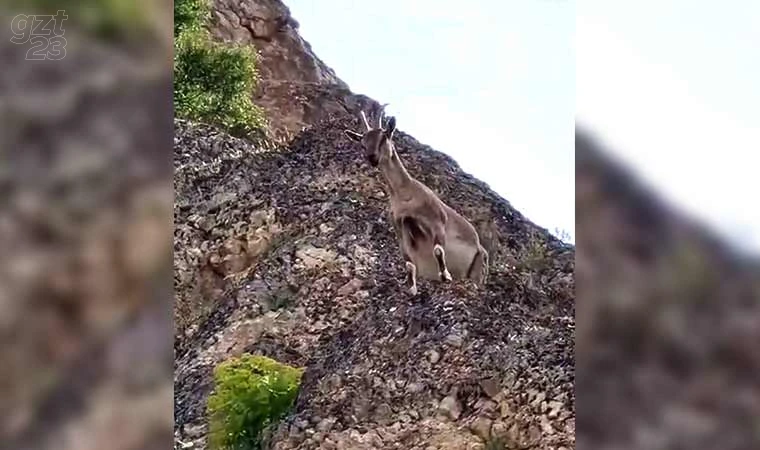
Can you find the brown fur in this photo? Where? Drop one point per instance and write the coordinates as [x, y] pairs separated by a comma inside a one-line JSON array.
[[436, 242]]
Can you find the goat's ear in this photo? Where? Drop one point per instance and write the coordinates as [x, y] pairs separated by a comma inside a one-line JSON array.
[[391, 127], [353, 135]]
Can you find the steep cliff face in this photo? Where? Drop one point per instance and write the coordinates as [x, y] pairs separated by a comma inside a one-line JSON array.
[[289, 252], [296, 89]]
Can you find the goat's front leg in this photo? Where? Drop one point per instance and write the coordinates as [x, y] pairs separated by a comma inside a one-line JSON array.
[[411, 270], [440, 257]]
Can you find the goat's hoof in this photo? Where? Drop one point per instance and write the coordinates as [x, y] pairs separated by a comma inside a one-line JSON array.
[[413, 290], [445, 276]]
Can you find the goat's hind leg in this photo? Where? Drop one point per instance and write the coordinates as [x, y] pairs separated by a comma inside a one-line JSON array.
[[440, 257], [411, 277], [478, 270]]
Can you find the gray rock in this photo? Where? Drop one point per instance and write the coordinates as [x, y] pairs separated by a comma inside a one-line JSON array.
[[350, 287], [454, 339], [325, 425], [433, 356], [481, 427], [415, 388], [450, 407], [491, 387]]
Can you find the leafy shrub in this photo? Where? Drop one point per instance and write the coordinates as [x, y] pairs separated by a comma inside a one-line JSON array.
[[190, 15], [496, 443], [250, 394], [213, 82], [534, 257]]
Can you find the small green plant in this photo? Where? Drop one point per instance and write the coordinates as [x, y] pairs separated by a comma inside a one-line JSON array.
[[563, 235], [213, 81], [534, 256], [190, 15], [251, 393], [496, 443]]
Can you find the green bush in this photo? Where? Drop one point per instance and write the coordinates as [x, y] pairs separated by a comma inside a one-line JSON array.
[[213, 82], [190, 15], [250, 394]]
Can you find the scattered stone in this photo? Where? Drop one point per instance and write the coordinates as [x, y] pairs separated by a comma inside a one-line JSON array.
[[546, 426], [373, 438], [313, 257], [454, 339], [325, 425], [534, 433], [487, 407], [491, 387], [513, 434], [415, 388], [554, 408], [481, 427], [505, 409], [499, 429], [350, 287], [260, 218], [383, 412], [450, 407], [433, 356], [537, 399]]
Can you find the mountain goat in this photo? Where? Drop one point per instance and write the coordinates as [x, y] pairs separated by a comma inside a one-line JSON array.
[[436, 242]]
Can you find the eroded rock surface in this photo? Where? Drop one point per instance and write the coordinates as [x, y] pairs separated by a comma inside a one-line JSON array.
[[296, 88], [383, 369]]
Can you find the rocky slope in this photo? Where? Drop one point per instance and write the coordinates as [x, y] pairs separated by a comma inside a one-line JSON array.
[[288, 252], [298, 262]]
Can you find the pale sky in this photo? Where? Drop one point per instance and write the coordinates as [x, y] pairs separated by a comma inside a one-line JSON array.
[[674, 88], [491, 83]]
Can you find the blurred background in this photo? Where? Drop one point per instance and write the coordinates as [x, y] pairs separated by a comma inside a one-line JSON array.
[[85, 225], [667, 261], [673, 89]]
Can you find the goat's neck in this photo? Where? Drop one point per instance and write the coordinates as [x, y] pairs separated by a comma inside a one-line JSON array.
[[395, 173]]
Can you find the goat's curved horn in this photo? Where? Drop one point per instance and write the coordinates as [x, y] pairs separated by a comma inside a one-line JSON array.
[[366, 122], [381, 115]]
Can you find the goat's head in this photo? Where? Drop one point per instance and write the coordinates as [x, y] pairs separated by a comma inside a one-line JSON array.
[[375, 141]]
